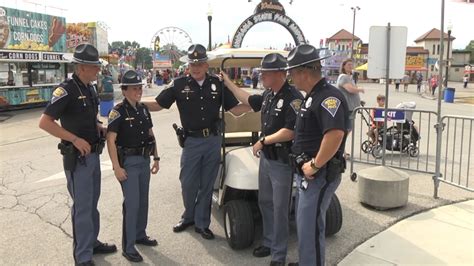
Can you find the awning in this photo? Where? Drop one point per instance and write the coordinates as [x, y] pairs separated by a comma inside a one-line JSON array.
[[253, 57], [415, 68], [362, 67]]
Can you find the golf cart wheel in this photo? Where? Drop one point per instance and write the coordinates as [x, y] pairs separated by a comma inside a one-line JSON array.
[[413, 151], [377, 152], [366, 146], [333, 217], [238, 224]]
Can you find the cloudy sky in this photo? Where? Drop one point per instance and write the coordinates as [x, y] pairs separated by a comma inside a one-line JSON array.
[[140, 20]]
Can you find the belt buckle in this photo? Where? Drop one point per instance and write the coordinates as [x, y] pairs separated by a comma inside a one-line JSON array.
[[205, 132]]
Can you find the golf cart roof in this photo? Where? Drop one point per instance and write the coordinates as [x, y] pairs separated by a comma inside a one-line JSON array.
[[244, 57]]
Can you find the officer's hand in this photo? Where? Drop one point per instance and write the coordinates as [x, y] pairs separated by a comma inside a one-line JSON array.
[[120, 174], [155, 167], [308, 171], [82, 146], [257, 148], [224, 76]]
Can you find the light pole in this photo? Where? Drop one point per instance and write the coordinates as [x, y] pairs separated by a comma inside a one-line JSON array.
[[450, 27], [354, 10], [209, 18]]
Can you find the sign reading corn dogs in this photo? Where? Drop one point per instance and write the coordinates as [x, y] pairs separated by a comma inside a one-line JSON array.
[[30, 31]]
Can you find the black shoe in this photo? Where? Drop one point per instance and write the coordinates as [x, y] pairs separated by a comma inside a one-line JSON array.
[[134, 257], [293, 264], [147, 241], [277, 263], [205, 233], [87, 263], [261, 252], [181, 226], [104, 248]]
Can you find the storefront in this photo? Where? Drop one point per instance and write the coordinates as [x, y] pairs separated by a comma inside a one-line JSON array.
[[32, 58]]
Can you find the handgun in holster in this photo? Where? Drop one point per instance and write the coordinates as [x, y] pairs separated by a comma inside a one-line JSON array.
[[335, 167], [150, 146], [101, 144], [69, 153], [297, 161], [180, 134]]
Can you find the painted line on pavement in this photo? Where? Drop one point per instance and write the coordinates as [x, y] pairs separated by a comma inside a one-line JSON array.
[[104, 166]]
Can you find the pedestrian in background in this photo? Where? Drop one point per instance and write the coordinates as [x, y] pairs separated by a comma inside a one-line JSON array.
[[199, 99], [465, 79], [75, 104], [131, 142], [406, 81], [349, 89], [278, 105]]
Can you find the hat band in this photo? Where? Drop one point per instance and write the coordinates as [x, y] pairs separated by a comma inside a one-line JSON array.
[[308, 62], [86, 61], [273, 69]]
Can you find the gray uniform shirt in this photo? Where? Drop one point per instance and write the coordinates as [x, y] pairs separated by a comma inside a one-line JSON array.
[[353, 99]]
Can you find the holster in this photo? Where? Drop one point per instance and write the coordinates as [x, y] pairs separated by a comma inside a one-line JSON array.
[[101, 145], [121, 157], [180, 134], [69, 153], [296, 161], [278, 152], [335, 167]]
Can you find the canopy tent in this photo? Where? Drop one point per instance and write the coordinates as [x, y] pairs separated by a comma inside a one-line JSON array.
[[362, 67], [365, 66]]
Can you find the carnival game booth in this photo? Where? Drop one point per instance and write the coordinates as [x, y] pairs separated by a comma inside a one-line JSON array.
[[236, 187], [27, 78]]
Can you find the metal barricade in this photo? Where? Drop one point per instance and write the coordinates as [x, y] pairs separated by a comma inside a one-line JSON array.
[[457, 160], [410, 145]]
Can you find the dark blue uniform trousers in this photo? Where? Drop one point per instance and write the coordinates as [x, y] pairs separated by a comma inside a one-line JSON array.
[[274, 190], [199, 167], [311, 217], [135, 204], [83, 185]]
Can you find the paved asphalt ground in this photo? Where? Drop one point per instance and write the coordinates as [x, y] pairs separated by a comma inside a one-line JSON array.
[[34, 203]]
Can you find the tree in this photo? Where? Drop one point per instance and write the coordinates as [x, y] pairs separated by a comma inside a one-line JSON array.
[[470, 47], [143, 58]]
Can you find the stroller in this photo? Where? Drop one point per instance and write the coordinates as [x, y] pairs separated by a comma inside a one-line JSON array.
[[401, 137]]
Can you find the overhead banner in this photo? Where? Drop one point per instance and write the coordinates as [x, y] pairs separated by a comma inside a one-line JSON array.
[[24, 30], [87, 32]]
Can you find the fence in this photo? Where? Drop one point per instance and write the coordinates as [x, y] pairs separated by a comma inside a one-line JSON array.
[[410, 143]]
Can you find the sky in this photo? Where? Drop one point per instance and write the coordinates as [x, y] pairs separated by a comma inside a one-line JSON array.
[[140, 20]]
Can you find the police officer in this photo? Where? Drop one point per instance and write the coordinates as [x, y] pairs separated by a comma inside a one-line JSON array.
[[75, 104], [198, 97], [320, 134], [130, 142], [278, 105]]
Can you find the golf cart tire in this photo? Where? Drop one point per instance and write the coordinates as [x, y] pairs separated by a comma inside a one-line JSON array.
[[239, 224], [333, 216]]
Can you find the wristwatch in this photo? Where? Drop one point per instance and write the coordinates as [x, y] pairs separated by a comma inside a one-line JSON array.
[[157, 158], [313, 165], [262, 140]]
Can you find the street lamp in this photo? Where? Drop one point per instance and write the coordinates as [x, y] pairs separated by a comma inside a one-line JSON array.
[[450, 27], [354, 10], [209, 18]]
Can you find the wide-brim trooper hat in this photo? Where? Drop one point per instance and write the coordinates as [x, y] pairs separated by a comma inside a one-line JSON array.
[[302, 55], [131, 78], [274, 62], [86, 54], [196, 54]]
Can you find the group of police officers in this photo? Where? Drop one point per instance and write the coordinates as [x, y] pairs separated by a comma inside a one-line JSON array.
[[301, 138]]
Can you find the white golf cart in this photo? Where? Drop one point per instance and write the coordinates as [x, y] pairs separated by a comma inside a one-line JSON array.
[[236, 187]]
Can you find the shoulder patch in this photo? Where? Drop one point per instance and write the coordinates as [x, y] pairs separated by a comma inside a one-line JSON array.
[[113, 115], [296, 105], [331, 104], [58, 93]]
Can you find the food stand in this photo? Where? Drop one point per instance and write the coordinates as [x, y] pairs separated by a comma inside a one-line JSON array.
[[32, 57]]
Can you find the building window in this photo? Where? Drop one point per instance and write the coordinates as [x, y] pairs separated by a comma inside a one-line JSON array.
[[456, 69], [432, 68], [434, 48], [438, 49]]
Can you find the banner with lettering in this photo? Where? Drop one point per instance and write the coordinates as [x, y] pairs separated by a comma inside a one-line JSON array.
[[87, 32], [30, 31]]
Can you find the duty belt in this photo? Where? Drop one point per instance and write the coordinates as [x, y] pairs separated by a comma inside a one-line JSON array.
[[201, 133], [129, 151], [95, 147]]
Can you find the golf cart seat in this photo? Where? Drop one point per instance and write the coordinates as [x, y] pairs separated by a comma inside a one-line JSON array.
[[241, 130]]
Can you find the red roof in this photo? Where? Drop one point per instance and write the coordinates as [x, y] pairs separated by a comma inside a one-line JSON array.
[[417, 50], [433, 34], [343, 35]]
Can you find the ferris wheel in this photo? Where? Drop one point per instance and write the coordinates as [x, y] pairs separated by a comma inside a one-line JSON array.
[[170, 43]]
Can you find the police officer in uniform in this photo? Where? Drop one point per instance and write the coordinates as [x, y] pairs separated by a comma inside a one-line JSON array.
[[320, 133], [75, 104], [278, 105], [130, 142], [198, 97]]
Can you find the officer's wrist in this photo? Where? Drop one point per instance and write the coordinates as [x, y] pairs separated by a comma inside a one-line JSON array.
[[74, 140], [262, 140], [314, 167]]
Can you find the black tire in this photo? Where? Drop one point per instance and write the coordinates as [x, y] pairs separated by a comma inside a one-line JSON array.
[[354, 177], [366, 146], [413, 151], [377, 152], [333, 217], [239, 224]]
